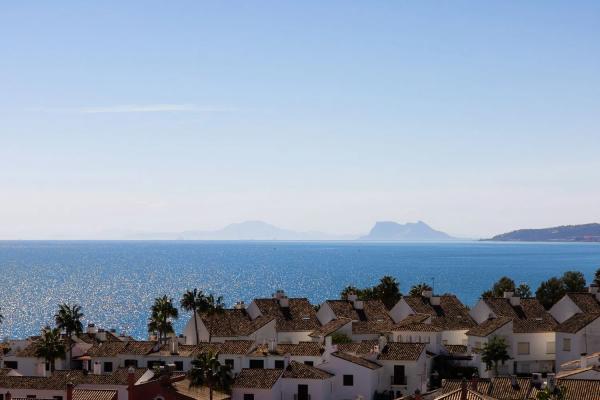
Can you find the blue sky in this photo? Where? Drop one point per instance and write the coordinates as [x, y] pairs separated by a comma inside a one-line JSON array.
[[477, 117]]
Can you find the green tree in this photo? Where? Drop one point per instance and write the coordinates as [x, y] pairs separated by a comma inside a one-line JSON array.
[[338, 337], [597, 277], [388, 291], [573, 281], [208, 371], [504, 284], [487, 294], [50, 346], [68, 319], [212, 306], [559, 393], [162, 316], [494, 352], [523, 291], [194, 301], [550, 292], [419, 288]]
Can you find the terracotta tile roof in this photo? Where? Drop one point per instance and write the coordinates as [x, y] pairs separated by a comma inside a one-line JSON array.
[[300, 315], [296, 370], [586, 302], [591, 358], [330, 327], [456, 348], [358, 348], [233, 323], [187, 350], [502, 388], [401, 351], [488, 327], [113, 349], [4, 371], [357, 360], [577, 322], [183, 388], [257, 378], [528, 317], [93, 338], [59, 379], [298, 349], [571, 372], [457, 395], [451, 314], [372, 311], [580, 389], [86, 394], [450, 385], [236, 347]]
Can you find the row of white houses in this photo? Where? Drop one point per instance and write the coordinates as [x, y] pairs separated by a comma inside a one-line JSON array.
[[286, 344]]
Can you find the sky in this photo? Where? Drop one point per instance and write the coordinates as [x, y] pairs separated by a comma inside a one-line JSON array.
[[152, 116]]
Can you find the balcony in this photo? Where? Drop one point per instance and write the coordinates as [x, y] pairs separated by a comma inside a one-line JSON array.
[[398, 380]]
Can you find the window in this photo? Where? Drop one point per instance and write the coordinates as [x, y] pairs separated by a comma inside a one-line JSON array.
[[566, 345], [11, 364], [550, 347], [523, 348], [309, 363], [399, 377], [57, 398], [279, 364], [1, 396], [229, 362], [348, 380], [178, 365], [257, 364], [131, 363], [108, 367], [248, 396]]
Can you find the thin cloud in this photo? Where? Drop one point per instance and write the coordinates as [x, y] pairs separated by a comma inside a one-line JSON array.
[[139, 108]]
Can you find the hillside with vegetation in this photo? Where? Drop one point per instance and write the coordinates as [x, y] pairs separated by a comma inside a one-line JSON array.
[[566, 233]]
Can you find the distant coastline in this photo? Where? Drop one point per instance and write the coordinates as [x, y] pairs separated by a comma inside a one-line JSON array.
[[586, 233]]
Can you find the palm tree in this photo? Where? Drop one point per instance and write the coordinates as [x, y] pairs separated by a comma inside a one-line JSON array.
[[212, 306], [50, 346], [68, 318], [495, 351], [419, 288], [161, 319], [207, 370], [194, 301]]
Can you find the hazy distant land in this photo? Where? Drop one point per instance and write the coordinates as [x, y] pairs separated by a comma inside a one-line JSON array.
[[565, 233]]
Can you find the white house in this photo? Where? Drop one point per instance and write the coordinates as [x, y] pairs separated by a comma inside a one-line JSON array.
[[532, 342], [418, 329], [295, 318], [447, 313], [405, 367], [304, 382], [257, 384], [370, 318], [578, 331], [231, 324]]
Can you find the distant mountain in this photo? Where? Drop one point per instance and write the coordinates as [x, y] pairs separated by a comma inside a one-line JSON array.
[[248, 230], [566, 233], [392, 231]]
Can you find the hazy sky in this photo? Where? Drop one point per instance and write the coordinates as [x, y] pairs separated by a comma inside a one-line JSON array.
[[476, 117]]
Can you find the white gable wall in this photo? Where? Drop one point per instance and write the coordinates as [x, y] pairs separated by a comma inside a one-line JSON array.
[[564, 309]]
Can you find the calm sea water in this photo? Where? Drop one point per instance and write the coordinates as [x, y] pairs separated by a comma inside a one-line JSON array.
[[116, 282]]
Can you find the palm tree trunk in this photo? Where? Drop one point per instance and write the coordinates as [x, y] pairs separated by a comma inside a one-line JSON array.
[[210, 393], [70, 352], [196, 327]]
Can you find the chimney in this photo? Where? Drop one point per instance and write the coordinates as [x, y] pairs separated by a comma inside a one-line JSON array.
[[435, 300], [91, 329], [239, 305], [286, 361], [583, 361], [279, 294], [131, 383], [97, 368], [536, 379], [515, 301], [272, 346], [8, 396], [593, 289], [174, 345], [328, 342], [508, 295], [427, 293], [382, 342], [101, 335], [284, 302], [463, 389], [69, 391], [359, 304], [352, 297]]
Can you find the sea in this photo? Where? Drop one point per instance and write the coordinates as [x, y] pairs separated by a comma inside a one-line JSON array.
[[115, 282]]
